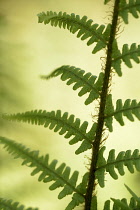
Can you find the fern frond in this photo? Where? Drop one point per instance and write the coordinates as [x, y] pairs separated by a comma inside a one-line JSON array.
[[129, 109], [10, 205], [96, 34], [48, 172], [128, 53], [79, 79], [133, 7], [65, 124], [123, 159]]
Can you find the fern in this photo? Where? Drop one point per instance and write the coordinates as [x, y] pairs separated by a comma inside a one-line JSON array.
[[122, 204], [64, 124], [123, 159], [129, 109], [80, 79], [85, 28], [49, 172], [96, 89], [10, 205], [133, 7]]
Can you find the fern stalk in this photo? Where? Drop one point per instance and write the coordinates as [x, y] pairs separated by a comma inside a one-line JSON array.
[[104, 92]]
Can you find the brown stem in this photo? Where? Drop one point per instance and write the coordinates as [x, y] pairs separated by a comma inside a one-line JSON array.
[[98, 137]]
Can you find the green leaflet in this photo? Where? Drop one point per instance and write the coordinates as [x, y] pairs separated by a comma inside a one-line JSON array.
[[86, 30], [121, 204], [133, 7], [129, 109], [48, 172], [133, 194], [115, 165], [107, 205], [94, 203], [64, 124], [101, 162], [10, 205], [76, 198], [79, 79], [128, 53]]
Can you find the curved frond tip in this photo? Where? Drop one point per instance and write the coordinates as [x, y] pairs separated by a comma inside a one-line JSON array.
[[115, 165], [88, 83], [65, 124], [11, 205], [86, 30]]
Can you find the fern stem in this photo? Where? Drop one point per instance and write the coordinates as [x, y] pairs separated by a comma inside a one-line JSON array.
[[104, 92]]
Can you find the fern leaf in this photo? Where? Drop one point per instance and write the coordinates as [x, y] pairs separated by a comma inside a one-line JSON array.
[[129, 109], [116, 63], [79, 79], [107, 205], [77, 199], [86, 30], [115, 165], [101, 173], [133, 7], [94, 203], [10, 205], [128, 53], [64, 124], [121, 204], [49, 172], [108, 110]]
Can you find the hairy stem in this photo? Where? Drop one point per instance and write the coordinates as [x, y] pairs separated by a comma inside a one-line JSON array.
[[98, 137]]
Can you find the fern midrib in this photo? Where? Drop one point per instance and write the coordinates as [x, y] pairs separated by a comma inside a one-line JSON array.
[[99, 130], [117, 161], [43, 167], [122, 110], [124, 55], [54, 119], [83, 25]]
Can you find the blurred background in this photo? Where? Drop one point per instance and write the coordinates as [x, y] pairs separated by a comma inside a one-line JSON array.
[[29, 49]]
